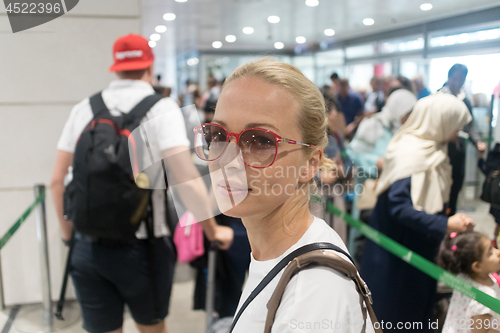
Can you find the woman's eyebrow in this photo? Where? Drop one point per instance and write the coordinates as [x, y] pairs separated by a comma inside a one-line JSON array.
[[251, 125]]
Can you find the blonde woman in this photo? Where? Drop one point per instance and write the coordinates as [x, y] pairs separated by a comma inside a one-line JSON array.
[[265, 145]]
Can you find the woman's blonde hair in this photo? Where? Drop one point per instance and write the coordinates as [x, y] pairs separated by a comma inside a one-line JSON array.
[[312, 118]]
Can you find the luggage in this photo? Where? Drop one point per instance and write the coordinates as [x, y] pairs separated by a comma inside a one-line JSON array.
[[214, 324]]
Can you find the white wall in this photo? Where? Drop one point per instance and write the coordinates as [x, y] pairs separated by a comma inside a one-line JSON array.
[[44, 71]]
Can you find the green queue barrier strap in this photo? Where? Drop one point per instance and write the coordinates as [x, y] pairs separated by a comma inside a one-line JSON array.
[[5, 238], [418, 261]]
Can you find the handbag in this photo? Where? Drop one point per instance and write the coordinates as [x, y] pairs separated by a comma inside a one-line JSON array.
[[491, 189], [188, 239]]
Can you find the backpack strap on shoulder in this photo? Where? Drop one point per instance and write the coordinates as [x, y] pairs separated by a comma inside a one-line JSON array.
[[139, 111], [281, 265], [97, 105], [326, 259]]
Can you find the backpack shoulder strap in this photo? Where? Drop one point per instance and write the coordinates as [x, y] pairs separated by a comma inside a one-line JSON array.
[[282, 264], [97, 105], [326, 259], [139, 111]]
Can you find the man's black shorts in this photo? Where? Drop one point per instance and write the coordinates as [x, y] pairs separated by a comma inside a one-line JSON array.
[[108, 277]]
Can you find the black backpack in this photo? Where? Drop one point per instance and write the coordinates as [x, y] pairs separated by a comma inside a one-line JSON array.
[[103, 199]]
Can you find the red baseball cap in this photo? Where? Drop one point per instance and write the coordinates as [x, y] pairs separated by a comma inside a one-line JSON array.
[[131, 52]]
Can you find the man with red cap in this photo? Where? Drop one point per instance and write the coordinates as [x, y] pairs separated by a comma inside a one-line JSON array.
[[111, 273]]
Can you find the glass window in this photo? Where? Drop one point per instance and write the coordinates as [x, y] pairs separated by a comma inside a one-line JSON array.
[[402, 45], [466, 37], [360, 51]]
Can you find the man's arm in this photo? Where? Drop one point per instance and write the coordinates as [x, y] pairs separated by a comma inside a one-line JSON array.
[[63, 161], [193, 193]]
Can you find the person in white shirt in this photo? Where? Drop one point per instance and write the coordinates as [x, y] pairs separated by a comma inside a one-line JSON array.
[[265, 146], [107, 277]]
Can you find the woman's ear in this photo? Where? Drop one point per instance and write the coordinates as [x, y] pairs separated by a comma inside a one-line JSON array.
[[312, 166]]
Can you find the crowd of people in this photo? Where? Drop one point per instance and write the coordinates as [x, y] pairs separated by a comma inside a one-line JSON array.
[[270, 140]]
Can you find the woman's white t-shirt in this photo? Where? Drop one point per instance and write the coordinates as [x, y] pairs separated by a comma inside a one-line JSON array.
[[462, 308], [319, 299]]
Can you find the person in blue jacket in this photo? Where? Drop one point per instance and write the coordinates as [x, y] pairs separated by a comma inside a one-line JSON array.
[[413, 191]]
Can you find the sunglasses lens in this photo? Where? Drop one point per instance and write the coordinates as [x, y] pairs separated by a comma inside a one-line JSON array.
[[210, 141], [258, 148]]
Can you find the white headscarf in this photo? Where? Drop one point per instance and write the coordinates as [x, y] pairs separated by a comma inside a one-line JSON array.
[[399, 103], [419, 149]]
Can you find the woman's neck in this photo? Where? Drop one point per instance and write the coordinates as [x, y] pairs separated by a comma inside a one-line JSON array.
[[483, 278], [272, 234]]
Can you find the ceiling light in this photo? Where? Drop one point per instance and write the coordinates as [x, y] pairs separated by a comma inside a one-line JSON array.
[[152, 43], [193, 61], [230, 38], [279, 45], [161, 28], [217, 44], [181, 0], [426, 6], [312, 3], [368, 21], [300, 39], [155, 37], [248, 30], [273, 19], [329, 32], [169, 17]]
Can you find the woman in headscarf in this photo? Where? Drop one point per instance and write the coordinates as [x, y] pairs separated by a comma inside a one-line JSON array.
[[413, 191], [374, 133]]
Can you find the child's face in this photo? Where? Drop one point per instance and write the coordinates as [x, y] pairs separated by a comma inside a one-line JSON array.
[[490, 261]]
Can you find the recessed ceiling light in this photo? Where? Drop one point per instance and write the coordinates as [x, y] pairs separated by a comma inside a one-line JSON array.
[[279, 45], [181, 0], [426, 6], [273, 19], [169, 17], [193, 61], [217, 44], [155, 37], [329, 32], [300, 39], [312, 3], [160, 28], [368, 21], [248, 30], [230, 38], [152, 43]]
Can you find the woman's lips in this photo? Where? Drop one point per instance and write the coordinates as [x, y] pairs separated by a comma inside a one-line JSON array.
[[232, 189]]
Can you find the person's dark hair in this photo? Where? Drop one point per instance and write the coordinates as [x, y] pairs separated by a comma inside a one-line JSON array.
[[344, 82], [377, 80], [159, 89], [334, 76], [458, 67], [405, 82], [457, 254], [331, 102], [132, 75]]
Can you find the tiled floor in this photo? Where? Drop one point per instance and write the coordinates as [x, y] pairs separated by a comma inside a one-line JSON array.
[[184, 320]]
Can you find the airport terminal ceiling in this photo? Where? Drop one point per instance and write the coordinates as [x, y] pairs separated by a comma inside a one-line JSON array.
[[198, 23]]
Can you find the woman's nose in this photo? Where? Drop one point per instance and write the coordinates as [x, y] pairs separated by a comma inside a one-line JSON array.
[[230, 158]]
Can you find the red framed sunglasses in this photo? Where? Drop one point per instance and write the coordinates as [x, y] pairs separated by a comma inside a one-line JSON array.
[[258, 146]]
